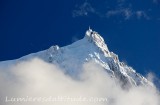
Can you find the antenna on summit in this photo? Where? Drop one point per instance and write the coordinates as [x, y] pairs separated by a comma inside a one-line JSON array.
[[90, 28]]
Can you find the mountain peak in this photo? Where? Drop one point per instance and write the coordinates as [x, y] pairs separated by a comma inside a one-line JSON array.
[[91, 48], [97, 39]]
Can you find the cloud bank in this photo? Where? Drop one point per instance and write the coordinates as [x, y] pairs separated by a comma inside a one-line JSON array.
[[36, 78], [122, 8]]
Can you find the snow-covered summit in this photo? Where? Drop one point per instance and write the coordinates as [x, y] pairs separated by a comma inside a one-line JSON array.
[[93, 36], [91, 48]]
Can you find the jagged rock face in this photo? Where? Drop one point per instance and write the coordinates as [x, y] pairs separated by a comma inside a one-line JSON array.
[[91, 48]]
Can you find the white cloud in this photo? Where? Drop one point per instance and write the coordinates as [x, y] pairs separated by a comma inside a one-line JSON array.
[[121, 8], [127, 13], [141, 14], [83, 10], [36, 78], [153, 78], [155, 1]]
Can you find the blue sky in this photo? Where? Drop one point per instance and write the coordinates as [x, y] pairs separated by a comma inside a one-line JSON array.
[[131, 28]]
